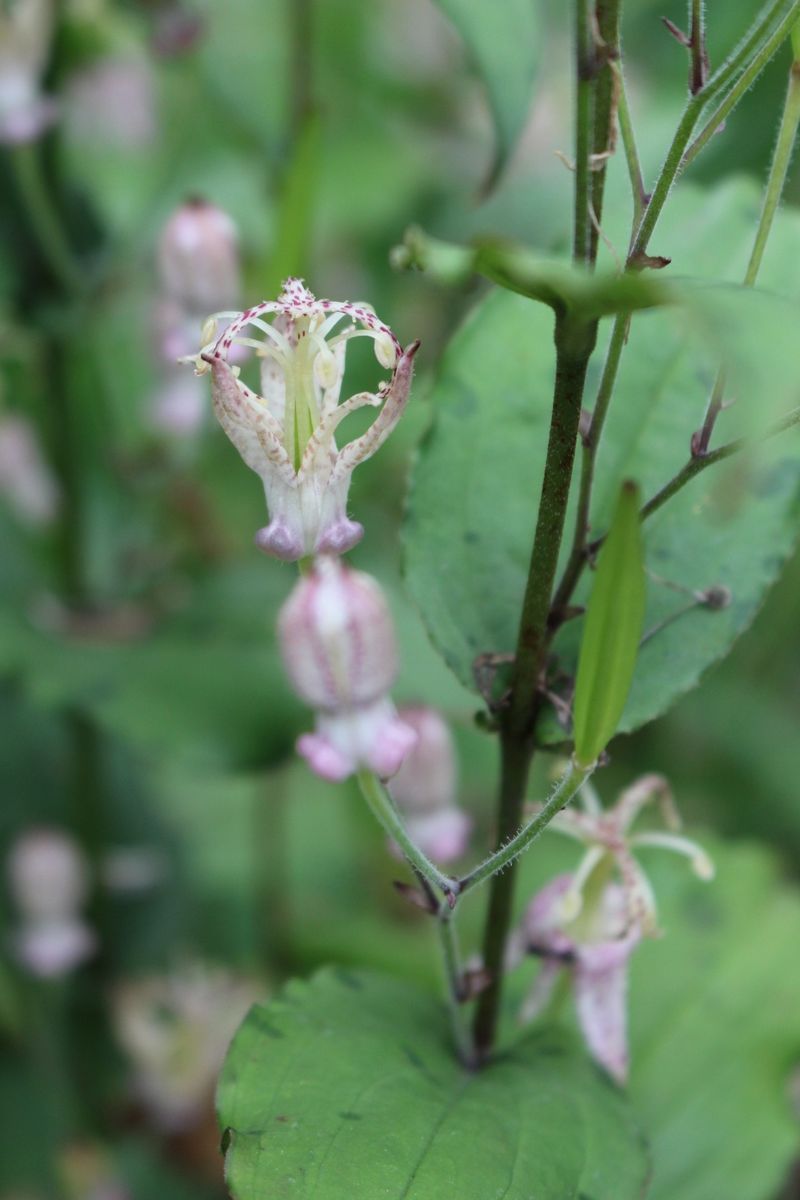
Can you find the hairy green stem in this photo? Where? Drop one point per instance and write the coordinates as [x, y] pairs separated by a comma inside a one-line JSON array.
[[753, 69], [568, 786], [638, 190], [382, 806]]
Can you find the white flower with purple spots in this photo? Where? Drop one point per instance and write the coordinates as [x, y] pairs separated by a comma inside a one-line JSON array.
[[287, 434]]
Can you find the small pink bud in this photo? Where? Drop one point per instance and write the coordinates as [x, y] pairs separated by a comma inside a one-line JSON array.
[[47, 875], [51, 948], [112, 103], [198, 258], [25, 35], [338, 647], [424, 789]]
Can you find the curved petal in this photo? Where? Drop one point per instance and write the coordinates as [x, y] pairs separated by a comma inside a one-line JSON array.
[[393, 404], [253, 430]]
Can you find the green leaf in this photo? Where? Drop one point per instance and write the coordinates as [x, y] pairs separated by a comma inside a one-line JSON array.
[[715, 1028], [503, 41], [346, 1087], [472, 509], [612, 630]]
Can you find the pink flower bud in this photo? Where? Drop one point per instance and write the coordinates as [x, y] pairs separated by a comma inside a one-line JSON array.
[[339, 650], [112, 102], [25, 36], [52, 948], [47, 874], [198, 258], [424, 789]]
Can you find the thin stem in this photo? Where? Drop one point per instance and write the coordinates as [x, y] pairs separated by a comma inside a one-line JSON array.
[[451, 959], [776, 181], [697, 44], [382, 806], [606, 99], [43, 217], [567, 787], [584, 105], [698, 464], [750, 74], [591, 442], [638, 190]]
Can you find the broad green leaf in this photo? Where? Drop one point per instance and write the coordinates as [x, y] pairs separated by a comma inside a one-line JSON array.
[[472, 508], [503, 41], [346, 1088], [612, 630]]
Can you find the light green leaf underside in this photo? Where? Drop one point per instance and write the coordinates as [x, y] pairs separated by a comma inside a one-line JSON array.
[[503, 40], [475, 488], [345, 1088]]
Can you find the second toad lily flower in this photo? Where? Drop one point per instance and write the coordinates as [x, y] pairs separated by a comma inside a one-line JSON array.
[[287, 434]]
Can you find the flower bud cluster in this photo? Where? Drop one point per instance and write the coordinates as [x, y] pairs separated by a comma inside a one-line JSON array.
[[48, 880]]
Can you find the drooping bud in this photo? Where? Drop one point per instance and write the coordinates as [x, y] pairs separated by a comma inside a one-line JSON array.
[[424, 789], [198, 258], [25, 36], [339, 650], [48, 881], [112, 103]]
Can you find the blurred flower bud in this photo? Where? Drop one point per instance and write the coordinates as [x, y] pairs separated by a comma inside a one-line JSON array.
[[47, 874], [424, 789], [25, 36], [48, 881], [112, 103], [25, 478], [198, 258], [176, 1029], [339, 650], [287, 435], [179, 405]]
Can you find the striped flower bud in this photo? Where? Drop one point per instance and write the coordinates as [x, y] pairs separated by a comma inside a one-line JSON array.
[[339, 650]]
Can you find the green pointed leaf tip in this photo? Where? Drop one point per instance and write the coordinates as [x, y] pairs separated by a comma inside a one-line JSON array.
[[612, 631], [503, 41], [346, 1088]]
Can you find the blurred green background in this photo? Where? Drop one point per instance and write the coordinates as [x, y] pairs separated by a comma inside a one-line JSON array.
[[142, 705]]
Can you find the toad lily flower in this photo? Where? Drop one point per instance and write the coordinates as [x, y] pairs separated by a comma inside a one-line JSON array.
[[589, 923], [606, 834], [287, 435]]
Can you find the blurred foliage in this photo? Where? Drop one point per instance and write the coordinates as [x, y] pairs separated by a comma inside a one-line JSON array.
[[141, 702]]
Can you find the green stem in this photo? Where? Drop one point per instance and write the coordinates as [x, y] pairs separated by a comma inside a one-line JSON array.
[[638, 190], [748, 77], [451, 959], [776, 181], [606, 99], [43, 217], [584, 105], [300, 19], [568, 786], [574, 345], [697, 465], [382, 806]]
